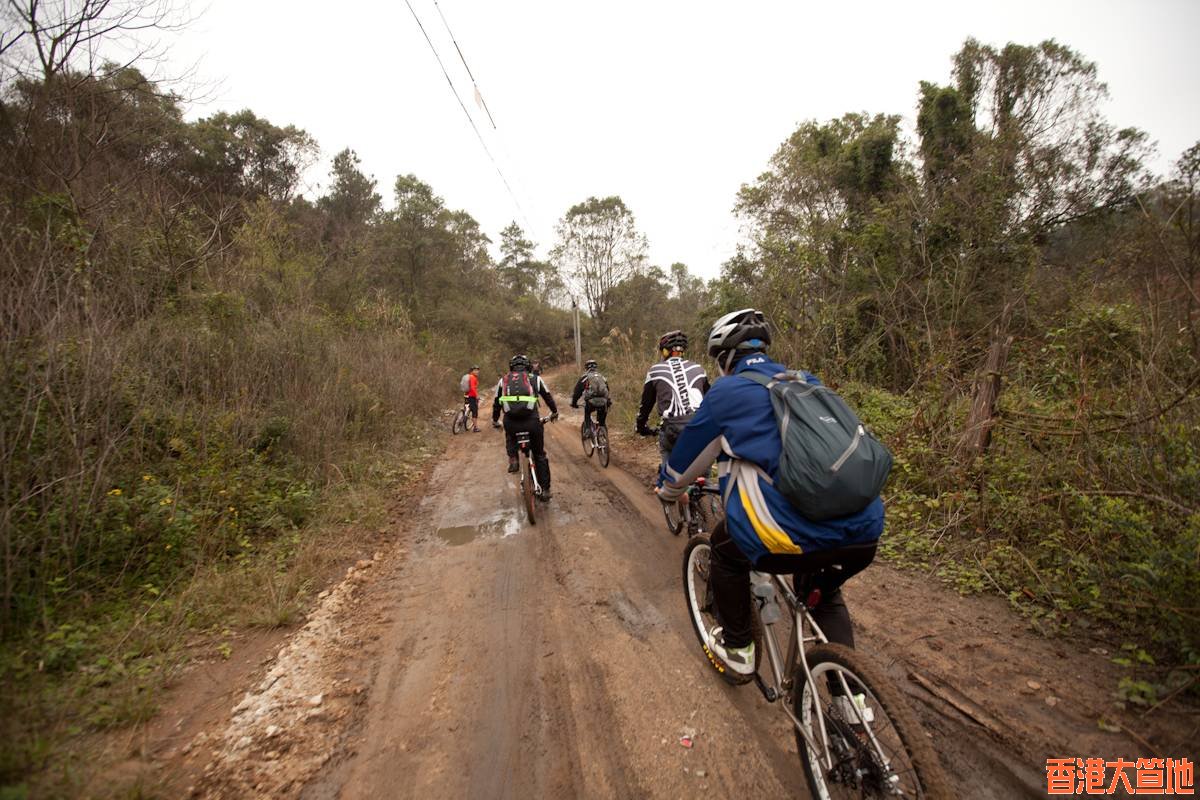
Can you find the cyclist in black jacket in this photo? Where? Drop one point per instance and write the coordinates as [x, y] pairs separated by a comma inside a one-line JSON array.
[[592, 388], [521, 414], [677, 386]]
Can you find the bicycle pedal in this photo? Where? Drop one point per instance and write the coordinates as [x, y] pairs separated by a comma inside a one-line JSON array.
[[768, 692]]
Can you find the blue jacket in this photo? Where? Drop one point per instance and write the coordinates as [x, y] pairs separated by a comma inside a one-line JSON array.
[[736, 427]]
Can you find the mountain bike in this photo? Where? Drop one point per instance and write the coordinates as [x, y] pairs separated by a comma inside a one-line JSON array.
[[531, 490], [855, 734], [699, 512], [595, 440], [461, 419]]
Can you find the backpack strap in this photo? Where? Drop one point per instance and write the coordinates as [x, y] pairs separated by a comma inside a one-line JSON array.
[[763, 380]]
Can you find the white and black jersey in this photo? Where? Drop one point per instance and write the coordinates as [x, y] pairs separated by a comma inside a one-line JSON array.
[[676, 386]]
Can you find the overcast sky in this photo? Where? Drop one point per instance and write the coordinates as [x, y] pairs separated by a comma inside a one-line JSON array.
[[672, 106]]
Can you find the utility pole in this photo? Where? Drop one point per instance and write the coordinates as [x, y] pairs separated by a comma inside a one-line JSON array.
[[578, 350]]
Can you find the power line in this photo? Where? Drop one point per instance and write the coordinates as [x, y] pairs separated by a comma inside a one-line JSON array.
[[463, 106], [463, 59]]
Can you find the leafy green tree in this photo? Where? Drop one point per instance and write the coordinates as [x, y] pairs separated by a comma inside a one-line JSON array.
[[517, 263], [599, 246], [245, 155], [352, 201]]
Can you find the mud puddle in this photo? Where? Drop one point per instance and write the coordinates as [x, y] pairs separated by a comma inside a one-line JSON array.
[[505, 523]]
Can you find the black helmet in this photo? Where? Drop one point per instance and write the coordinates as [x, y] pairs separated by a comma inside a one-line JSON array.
[[673, 340], [519, 362], [590, 364], [739, 330]]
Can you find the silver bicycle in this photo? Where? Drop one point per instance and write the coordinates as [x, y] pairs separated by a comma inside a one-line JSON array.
[[855, 733]]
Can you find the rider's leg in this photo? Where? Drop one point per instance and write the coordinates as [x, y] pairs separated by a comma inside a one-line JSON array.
[[510, 442], [587, 418], [537, 441], [730, 580], [602, 415], [473, 402], [831, 613]]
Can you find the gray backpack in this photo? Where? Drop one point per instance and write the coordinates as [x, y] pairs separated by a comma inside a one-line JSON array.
[[596, 395], [831, 465]]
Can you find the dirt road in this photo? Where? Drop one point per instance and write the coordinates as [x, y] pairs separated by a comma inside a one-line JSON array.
[[478, 656]]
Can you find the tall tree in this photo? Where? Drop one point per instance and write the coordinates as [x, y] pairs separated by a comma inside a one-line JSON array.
[[598, 247], [517, 264]]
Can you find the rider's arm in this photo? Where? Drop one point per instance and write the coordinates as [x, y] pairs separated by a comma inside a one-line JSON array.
[[698, 447], [575, 395], [648, 398], [544, 391], [704, 385], [496, 402]]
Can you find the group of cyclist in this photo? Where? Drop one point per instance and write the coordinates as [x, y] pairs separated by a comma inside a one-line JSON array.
[[731, 422]]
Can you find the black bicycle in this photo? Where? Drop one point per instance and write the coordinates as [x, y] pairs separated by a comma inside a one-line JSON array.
[[461, 419], [595, 440], [698, 511], [531, 490]]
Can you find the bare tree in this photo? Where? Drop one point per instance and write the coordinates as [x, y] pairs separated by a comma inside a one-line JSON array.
[[599, 246], [53, 36]]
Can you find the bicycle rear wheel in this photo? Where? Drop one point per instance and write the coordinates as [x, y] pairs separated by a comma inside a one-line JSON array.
[[602, 444], [710, 510], [697, 592], [898, 762], [460, 423], [527, 489]]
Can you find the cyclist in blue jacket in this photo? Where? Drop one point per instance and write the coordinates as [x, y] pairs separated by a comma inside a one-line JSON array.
[[762, 530]]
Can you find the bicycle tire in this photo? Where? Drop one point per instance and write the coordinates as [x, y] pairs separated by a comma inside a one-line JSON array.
[[695, 547], [460, 423], [589, 446], [711, 510], [602, 444], [930, 782], [527, 490], [675, 518]]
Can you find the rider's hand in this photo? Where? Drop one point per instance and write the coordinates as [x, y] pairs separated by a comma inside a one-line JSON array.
[[642, 430], [495, 424], [574, 405], [554, 416]]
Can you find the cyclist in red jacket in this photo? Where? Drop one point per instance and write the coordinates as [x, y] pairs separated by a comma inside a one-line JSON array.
[[470, 389]]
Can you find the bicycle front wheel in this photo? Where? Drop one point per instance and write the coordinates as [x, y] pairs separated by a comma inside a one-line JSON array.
[[675, 518], [869, 747], [602, 445], [697, 590]]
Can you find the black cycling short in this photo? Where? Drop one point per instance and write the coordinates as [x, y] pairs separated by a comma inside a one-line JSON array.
[[473, 404]]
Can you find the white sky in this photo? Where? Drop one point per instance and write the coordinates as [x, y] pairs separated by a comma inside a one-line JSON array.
[[672, 106]]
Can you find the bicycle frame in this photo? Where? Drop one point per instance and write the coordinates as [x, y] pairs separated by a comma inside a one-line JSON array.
[[804, 631], [524, 451]]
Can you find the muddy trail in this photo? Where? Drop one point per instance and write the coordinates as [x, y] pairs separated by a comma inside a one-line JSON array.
[[478, 656]]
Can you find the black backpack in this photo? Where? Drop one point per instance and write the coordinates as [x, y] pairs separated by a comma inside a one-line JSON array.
[[831, 465], [517, 397]]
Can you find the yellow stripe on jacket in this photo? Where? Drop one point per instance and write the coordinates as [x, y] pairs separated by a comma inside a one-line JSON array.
[[776, 540]]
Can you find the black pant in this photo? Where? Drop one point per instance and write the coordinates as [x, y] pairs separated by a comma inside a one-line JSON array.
[[826, 571], [537, 443], [601, 414], [668, 435]]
